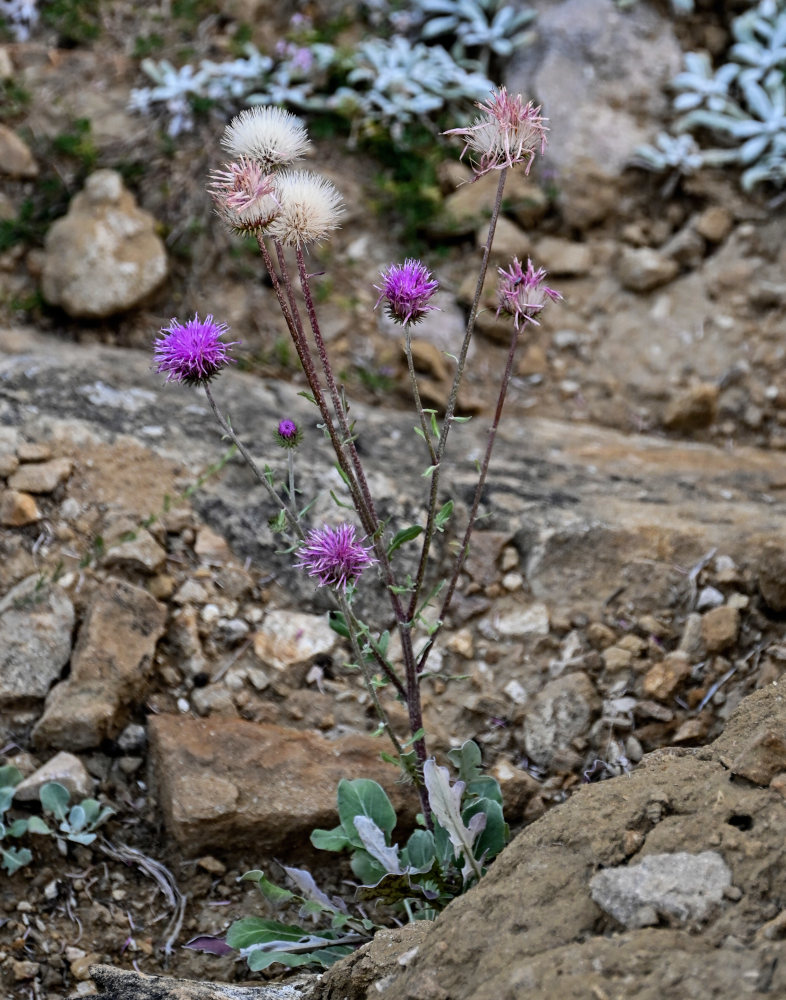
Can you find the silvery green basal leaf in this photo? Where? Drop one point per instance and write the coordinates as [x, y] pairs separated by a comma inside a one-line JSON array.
[[375, 843], [446, 805]]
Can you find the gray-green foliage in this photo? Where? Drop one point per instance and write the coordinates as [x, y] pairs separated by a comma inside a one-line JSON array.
[[437, 55], [415, 880], [741, 105], [76, 823]]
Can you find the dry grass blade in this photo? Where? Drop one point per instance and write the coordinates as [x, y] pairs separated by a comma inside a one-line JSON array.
[[163, 878]]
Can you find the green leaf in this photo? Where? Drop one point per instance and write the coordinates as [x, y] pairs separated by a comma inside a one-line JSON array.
[[278, 524], [18, 828], [403, 536], [10, 776], [365, 869], [484, 787], [36, 825], [308, 396], [429, 472], [249, 931], [421, 850], [342, 473], [76, 821], [496, 832], [340, 503], [330, 840], [13, 859], [466, 760], [434, 424], [363, 797], [338, 623], [54, 799], [275, 893], [443, 515]]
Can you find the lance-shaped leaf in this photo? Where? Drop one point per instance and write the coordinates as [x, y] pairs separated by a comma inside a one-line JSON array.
[[374, 842], [309, 889], [446, 806]]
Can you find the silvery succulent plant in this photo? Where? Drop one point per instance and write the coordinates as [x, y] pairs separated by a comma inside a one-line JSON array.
[[742, 103], [490, 26], [394, 82]]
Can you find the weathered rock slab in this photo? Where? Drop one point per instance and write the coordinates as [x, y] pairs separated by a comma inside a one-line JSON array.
[[680, 886], [113, 652], [550, 938], [36, 622], [223, 781]]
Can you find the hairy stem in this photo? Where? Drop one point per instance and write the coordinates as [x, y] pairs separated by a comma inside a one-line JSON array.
[[451, 406], [226, 427], [424, 424], [462, 554]]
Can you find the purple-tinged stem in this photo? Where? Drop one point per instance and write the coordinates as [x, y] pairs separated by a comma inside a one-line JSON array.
[[451, 407], [226, 427], [371, 525], [424, 424], [462, 555]]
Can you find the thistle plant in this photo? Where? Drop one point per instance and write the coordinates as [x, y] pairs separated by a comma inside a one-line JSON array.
[[299, 209]]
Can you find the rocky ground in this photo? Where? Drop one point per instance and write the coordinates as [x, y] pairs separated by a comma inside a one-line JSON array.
[[625, 592]]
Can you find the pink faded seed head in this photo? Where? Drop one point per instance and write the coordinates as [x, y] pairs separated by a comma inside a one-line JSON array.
[[506, 132]]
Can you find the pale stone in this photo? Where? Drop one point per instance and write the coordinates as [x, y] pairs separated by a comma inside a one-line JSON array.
[[104, 256], [289, 639], [41, 477], [64, 768]]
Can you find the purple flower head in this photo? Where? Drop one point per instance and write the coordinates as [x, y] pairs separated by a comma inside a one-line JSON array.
[[406, 289], [506, 132], [522, 293], [193, 352], [334, 556], [288, 434]]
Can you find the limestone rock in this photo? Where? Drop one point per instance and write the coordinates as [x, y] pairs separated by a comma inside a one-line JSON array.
[[113, 651], [122, 984], [663, 678], [18, 509], [641, 269], [291, 639], [603, 72], [560, 713], [222, 781], [41, 477], [104, 256], [64, 768], [563, 257], [16, 160], [36, 621], [692, 410], [681, 886], [720, 627]]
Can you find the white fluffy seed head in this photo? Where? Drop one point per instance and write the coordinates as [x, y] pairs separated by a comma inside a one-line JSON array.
[[310, 208], [271, 136]]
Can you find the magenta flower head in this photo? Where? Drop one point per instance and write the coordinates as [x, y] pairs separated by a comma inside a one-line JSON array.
[[193, 352], [522, 294], [407, 289], [334, 556], [288, 434], [506, 132]]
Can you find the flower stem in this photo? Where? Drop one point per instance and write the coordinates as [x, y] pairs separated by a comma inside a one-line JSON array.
[[451, 406], [462, 554], [424, 425], [226, 427]]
